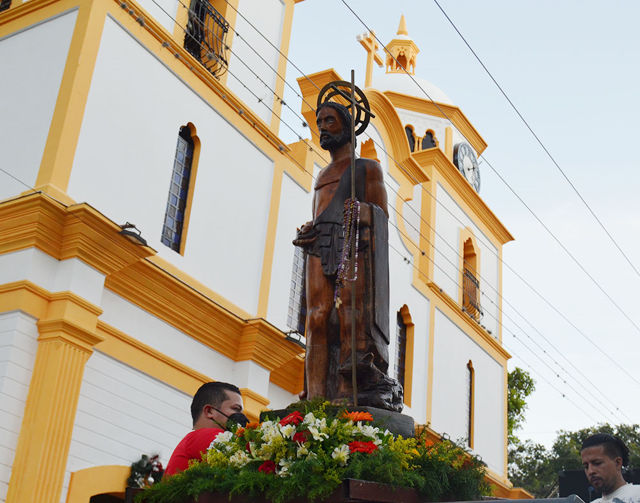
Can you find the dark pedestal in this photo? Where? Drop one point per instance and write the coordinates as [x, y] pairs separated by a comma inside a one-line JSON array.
[[350, 491], [395, 422]]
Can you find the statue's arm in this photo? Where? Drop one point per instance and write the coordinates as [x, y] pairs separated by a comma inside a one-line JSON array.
[[376, 192]]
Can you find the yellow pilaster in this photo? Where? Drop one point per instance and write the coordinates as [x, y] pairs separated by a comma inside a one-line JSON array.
[[57, 160], [448, 143], [67, 337]]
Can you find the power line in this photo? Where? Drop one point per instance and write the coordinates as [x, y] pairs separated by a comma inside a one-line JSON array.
[[537, 138], [275, 71], [283, 120], [504, 181]]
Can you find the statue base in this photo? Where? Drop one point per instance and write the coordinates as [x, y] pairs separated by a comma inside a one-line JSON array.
[[395, 422], [350, 491]]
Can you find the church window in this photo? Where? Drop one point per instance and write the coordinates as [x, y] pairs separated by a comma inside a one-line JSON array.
[[470, 281], [402, 368], [429, 140], [401, 348], [411, 138], [470, 402], [297, 312], [205, 36], [176, 214]]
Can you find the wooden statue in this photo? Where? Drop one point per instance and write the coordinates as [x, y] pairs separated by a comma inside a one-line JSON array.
[[329, 310]]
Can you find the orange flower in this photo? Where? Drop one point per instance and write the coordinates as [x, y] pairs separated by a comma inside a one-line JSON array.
[[240, 432], [428, 443], [357, 416], [252, 426]]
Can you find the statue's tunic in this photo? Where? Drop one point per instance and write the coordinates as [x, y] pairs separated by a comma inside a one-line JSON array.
[[373, 247]]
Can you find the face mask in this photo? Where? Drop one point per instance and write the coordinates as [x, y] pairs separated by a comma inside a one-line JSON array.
[[235, 418]]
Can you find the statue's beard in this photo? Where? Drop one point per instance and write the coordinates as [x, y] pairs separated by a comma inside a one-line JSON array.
[[331, 142]]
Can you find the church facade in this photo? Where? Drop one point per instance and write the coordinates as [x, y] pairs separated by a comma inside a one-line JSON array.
[[147, 208]]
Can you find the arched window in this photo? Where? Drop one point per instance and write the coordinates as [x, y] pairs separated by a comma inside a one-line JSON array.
[[403, 363], [401, 348], [411, 138], [178, 200], [429, 140], [470, 280], [470, 403]]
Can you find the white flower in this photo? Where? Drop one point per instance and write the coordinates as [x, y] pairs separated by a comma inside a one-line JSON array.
[[288, 430], [341, 454], [239, 459], [270, 432], [367, 430], [309, 418], [302, 451], [317, 435], [285, 464], [221, 442]]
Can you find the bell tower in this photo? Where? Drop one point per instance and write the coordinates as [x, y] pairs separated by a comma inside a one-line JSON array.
[[402, 52]]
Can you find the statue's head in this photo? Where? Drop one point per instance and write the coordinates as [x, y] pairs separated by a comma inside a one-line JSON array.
[[334, 125]]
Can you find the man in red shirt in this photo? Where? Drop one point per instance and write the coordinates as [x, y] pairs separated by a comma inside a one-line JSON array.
[[211, 408]]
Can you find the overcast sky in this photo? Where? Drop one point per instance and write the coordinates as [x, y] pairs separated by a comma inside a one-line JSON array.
[[571, 68]]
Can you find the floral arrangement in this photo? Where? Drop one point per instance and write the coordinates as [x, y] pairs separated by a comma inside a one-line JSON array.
[[145, 472], [309, 455]]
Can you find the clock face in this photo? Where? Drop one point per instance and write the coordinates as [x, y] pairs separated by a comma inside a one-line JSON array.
[[465, 160]]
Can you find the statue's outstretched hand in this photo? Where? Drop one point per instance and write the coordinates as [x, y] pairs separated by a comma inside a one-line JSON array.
[[305, 235]]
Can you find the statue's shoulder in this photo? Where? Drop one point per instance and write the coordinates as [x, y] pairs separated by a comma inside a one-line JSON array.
[[371, 166]]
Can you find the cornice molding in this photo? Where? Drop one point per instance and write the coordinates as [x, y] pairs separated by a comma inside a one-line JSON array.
[[462, 318], [450, 112], [78, 231], [264, 344], [435, 157], [68, 332]]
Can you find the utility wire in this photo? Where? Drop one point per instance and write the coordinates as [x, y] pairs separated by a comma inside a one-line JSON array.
[[314, 177], [483, 293], [617, 363], [537, 138]]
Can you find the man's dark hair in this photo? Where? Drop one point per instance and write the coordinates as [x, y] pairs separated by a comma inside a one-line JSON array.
[[343, 113], [210, 393], [613, 446]]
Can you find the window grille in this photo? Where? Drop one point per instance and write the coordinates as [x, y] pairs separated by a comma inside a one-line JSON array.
[[178, 191], [205, 36], [471, 295], [4, 4], [401, 349], [297, 313]]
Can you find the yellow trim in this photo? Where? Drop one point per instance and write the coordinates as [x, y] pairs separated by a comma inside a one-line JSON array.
[[105, 479], [57, 160], [430, 360], [67, 337], [454, 312], [195, 160], [80, 231], [254, 403], [459, 188], [134, 353], [270, 241], [409, 355], [453, 113], [472, 398], [301, 169], [285, 39], [182, 18], [448, 143]]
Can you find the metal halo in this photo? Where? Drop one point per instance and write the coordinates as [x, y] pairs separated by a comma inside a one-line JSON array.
[[339, 91]]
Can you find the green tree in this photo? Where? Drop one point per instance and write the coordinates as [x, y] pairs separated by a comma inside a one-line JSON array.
[[536, 468], [520, 386]]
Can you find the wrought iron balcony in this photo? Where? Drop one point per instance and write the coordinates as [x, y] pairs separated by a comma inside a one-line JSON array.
[[471, 295], [205, 38]]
